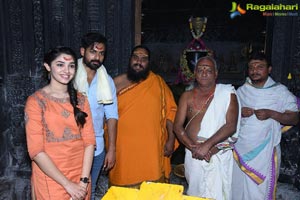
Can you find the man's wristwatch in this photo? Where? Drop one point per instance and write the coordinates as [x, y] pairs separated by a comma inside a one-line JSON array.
[[84, 180]]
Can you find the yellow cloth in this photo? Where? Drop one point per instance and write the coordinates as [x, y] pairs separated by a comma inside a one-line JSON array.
[[104, 92], [143, 111], [149, 191]]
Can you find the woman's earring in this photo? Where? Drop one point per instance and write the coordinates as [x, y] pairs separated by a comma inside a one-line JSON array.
[[49, 76]]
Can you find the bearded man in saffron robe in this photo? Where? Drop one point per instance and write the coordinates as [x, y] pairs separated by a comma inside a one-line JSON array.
[[145, 139]]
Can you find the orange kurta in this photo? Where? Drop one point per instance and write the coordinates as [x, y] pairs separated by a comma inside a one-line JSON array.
[[51, 128], [143, 111]]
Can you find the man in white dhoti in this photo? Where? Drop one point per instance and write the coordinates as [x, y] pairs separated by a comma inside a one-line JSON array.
[[266, 105], [212, 112]]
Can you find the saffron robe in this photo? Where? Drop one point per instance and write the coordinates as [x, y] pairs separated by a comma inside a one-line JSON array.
[[257, 151], [143, 111], [212, 179], [51, 128]]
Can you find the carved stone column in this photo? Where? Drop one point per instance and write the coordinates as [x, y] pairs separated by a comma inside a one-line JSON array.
[[28, 29], [283, 46]]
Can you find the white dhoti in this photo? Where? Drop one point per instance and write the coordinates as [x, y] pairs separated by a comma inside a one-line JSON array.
[[257, 151], [212, 179], [209, 179]]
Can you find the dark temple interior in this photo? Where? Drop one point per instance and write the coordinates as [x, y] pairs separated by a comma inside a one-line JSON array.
[[30, 27]]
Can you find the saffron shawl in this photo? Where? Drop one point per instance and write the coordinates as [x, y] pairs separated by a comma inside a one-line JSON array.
[[143, 111]]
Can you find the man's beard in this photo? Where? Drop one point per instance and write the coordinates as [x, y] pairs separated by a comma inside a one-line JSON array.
[[91, 65], [134, 76]]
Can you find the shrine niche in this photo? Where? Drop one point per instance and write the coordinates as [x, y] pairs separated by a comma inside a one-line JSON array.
[[167, 32], [231, 67], [194, 51]]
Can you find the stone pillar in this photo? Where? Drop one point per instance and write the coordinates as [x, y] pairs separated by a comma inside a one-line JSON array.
[[283, 47], [28, 29]]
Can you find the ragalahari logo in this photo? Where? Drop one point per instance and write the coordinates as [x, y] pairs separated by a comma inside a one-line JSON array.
[[236, 10]]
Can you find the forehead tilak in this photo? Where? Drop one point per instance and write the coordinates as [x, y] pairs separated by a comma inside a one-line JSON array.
[[140, 52], [97, 46], [67, 58], [204, 66], [255, 62]]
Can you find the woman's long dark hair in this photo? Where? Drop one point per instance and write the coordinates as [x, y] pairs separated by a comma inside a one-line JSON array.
[[51, 55]]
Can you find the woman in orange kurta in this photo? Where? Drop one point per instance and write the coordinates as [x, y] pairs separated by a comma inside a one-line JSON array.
[[59, 132]]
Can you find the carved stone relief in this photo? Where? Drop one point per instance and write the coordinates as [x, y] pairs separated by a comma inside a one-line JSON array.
[[30, 28]]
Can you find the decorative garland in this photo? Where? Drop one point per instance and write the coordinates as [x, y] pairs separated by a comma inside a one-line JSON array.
[[192, 29], [185, 75]]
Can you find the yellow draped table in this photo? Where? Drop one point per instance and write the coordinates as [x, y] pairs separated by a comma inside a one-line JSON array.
[[149, 191]]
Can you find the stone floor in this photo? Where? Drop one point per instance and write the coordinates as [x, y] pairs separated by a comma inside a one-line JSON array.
[[284, 191]]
